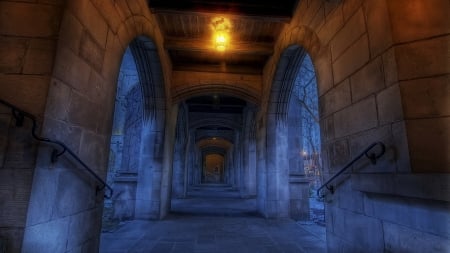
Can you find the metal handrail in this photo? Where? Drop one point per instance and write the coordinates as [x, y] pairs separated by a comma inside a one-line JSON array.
[[19, 116], [372, 157]]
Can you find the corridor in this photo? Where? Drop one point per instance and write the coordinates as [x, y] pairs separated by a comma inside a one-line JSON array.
[[214, 224], [224, 126]]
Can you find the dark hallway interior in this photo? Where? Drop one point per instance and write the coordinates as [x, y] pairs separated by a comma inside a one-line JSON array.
[[219, 126]]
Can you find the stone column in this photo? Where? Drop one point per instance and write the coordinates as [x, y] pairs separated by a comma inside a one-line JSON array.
[[298, 183], [277, 177], [249, 154], [149, 176]]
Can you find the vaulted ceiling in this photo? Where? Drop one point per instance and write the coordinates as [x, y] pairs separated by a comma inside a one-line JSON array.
[[188, 35], [187, 27]]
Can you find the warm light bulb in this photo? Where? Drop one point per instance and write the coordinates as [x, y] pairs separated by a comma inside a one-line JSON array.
[[221, 41]]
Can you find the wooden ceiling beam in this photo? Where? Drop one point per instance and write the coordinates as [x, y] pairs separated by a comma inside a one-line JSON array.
[[213, 13], [235, 69], [233, 48]]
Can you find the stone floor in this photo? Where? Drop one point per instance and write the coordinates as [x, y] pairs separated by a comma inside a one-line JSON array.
[[184, 234], [210, 224]]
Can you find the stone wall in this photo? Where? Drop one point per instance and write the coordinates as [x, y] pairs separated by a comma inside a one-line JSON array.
[[65, 212], [379, 66], [17, 161], [28, 38]]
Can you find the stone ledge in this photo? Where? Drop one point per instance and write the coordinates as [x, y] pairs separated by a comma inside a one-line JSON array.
[[422, 186], [125, 176], [298, 179]]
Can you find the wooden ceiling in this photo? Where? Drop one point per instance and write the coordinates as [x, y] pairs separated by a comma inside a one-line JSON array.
[[188, 33]]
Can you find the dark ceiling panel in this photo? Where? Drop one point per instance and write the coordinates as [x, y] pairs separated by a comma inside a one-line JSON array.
[[281, 8], [188, 34]]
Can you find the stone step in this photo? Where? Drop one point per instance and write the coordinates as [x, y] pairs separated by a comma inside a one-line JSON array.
[[226, 193], [214, 207], [205, 189]]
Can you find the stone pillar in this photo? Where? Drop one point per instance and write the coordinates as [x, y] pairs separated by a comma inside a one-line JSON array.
[[261, 174], [232, 167], [179, 155], [299, 197], [186, 166], [249, 154], [190, 159], [198, 166], [298, 183], [148, 192], [251, 187], [277, 177]]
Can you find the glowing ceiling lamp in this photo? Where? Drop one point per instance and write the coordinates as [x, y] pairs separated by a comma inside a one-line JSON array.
[[221, 28], [221, 41]]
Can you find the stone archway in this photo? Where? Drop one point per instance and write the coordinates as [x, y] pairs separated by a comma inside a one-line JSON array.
[[138, 131], [286, 192]]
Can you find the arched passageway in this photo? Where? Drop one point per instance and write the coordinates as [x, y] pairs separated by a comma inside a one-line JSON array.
[[213, 155], [292, 130], [135, 161]]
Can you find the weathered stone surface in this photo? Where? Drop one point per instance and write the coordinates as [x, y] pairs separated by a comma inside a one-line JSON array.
[[15, 19], [347, 36], [59, 93], [14, 196], [403, 239], [11, 239], [71, 69], [91, 51], [386, 163], [83, 226], [313, 8], [5, 121], [368, 80], [416, 19], [378, 26], [358, 231], [416, 186], [389, 105], [351, 60], [26, 92], [94, 151], [428, 97], [12, 54], [358, 117], [112, 59], [401, 146], [390, 67], [348, 199], [43, 196], [49, 236], [237, 83], [339, 155], [39, 57], [98, 90], [324, 72], [424, 135], [21, 148], [327, 128], [71, 32], [318, 18], [82, 112], [91, 19], [423, 58], [75, 192], [432, 219], [333, 23], [336, 99], [349, 7]]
